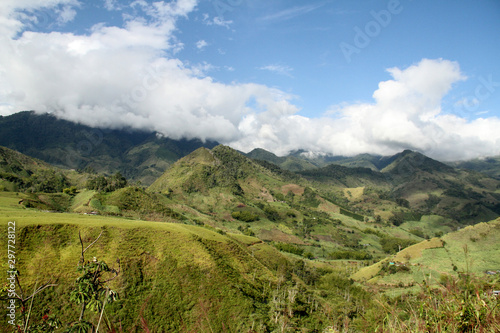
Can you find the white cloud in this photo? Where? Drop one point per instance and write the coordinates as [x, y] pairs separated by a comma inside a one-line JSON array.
[[121, 77], [218, 21], [66, 14], [291, 13], [406, 114], [201, 44], [112, 5], [129, 77], [278, 69], [16, 15]]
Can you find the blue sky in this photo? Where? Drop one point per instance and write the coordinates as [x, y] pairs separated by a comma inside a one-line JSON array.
[[336, 77], [303, 38]]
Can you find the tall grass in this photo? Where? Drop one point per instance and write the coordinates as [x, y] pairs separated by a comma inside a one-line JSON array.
[[464, 304]]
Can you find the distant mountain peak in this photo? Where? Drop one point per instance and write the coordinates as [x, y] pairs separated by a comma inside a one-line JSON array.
[[409, 161]]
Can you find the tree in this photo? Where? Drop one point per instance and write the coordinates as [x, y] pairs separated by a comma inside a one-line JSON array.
[[98, 183], [47, 181], [403, 202], [107, 184], [118, 181], [91, 291], [70, 190], [397, 218]]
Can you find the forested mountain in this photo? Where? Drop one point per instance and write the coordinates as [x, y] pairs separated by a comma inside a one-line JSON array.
[[243, 233], [140, 156], [419, 183], [488, 165]]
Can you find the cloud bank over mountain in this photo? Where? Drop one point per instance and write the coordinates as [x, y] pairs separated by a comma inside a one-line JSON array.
[[131, 76]]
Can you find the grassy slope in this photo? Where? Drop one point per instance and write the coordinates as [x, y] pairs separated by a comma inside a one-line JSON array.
[[14, 163], [304, 219], [174, 276], [428, 260], [425, 185]]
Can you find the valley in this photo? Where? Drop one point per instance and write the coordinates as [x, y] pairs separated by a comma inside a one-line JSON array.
[[208, 239]]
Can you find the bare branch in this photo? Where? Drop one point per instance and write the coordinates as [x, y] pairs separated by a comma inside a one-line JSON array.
[[81, 242], [40, 289], [82, 259]]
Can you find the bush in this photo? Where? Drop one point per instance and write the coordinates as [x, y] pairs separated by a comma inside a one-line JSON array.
[[309, 255], [245, 216], [403, 202], [417, 232], [462, 305], [349, 254], [47, 181], [271, 213], [397, 218], [351, 214], [393, 245], [246, 230], [107, 184], [70, 190], [290, 248], [395, 268]]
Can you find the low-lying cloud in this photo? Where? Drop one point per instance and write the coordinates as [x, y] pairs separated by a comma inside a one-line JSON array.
[[130, 76]]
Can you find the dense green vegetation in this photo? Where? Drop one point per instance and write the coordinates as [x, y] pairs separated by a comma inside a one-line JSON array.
[[221, 242], [174, 278], [139, 156], [106, 184]]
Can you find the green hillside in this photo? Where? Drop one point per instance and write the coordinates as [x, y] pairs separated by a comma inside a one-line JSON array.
[[488, 165], [290, 163], [172, 277], [23, 173], [411, 185], [221, 242], [302, 160], [222, 188], [140, 156], [473, 249]]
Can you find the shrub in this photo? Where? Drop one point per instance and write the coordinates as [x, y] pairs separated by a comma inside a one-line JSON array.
[[395, 268], [351, 214], [246, 230], [393, 244], [271, 213], [397, 218], [245, 216], [349, 254], [462, 305], [417, 232], [290, 248]]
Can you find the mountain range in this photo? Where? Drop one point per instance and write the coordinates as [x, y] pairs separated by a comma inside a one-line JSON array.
[[139, 156], [417, 183], [278, 238]]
